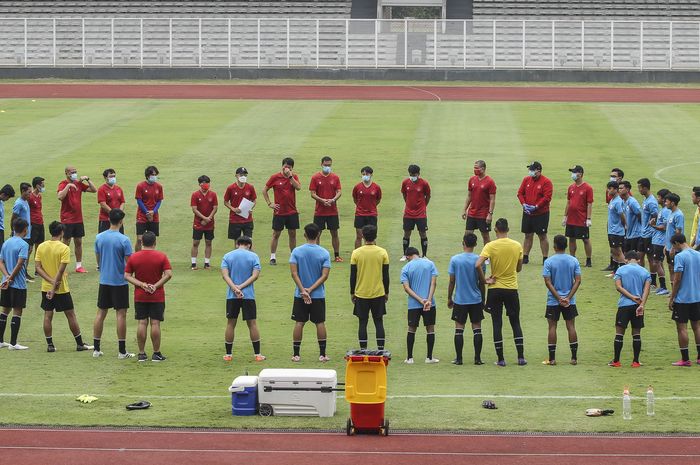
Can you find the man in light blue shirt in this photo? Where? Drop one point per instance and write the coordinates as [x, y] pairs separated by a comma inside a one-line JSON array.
[[633, 283], [658, 239], [685, 298], [310, 265], [616, 226], [650, 209], [13, 290], [419, 278], [240, 268], [21, 207], [674, 225], [6, 193], [633, 215], [562, 276], [465, 296]]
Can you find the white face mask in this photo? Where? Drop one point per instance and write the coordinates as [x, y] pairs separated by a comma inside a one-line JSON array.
[[42, 189], [613, 178], [242, 179], [326, 169], [413, 178], [574, 176], [531, 173], [152, 179], [112, 181], [366, 178], [74, 176]]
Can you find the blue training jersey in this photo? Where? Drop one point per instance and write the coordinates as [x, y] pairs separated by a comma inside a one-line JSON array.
[[615, 212], [633, 215], [562, 270], [633, 278], [21, 209], [113, 248], [240, 264], [462, 267], [688, 263], [310, 260], [676, 222], [659, 237], [650, 208], [12, 250], [418, 273]]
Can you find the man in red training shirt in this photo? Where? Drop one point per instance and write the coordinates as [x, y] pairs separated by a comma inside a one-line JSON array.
[[535, 195], [416, 194], [239, 225], [325, 190], [366, 196], [149, 195], [284, 184], [577, 214], [70, 193], [204, 203], [480, 202]]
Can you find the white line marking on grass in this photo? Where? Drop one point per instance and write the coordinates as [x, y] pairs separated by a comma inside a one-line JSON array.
[[657, 174], [437, 97]]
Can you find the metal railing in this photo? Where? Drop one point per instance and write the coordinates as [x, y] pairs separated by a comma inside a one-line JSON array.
[[349, 43]]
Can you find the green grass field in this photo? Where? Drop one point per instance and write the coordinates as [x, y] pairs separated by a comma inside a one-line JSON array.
[[188, 138]]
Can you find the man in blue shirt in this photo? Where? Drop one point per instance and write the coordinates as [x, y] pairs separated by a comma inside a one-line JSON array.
[[419, 278], [240, 268], [465, 296], [658, 239], [6, 193], [685, 298], [13, 290], [21, 207], [633, 215], [674, 225], [310, 265], [616, 226], [633, 283], [650, 209], [112, 248], [562, 276]]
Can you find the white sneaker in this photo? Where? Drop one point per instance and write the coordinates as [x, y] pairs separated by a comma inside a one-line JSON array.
[[125, 356], [323, 358], [97, 354], [432, 360], [4, 344], [408, 361], [17, 347], [403, 259]]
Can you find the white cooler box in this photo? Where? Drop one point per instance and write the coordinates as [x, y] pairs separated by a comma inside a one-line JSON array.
[[297, 392]]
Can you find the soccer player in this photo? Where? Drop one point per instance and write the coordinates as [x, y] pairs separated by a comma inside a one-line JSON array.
[[419, 279], [21, 208], [617, 175], [577, 213], [562, 276], [695, 196], [13, 290], [109, 196], [685, 297], [616, 225], [239, 225], [675, 224], [52, 258], [205, 204], [310, 266], [6, 193], [633, 216], [535, 194], [149, 197], [284, 185], [506, 257], [650, 209], [240, 268], [658, 239], [366, 195], [70, 193], [480, 202], [465, 297], [112, 249], [148, 270], [416, 194], [35, 212], [325, 190], [633, 283], [369, 285]]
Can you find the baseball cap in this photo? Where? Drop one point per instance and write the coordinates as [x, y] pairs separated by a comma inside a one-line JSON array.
[[577, 169], [241, 170], [534, 166]]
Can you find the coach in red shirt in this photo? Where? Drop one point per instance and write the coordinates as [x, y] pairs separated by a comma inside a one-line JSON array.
[[284, 184], [109, 196], [70, 193], [416, 194], [36, 215], [205, 204], [366, 195], [235, 193], [325, 190], [577, 214], [535, 195], [149, 195], [480, 202]]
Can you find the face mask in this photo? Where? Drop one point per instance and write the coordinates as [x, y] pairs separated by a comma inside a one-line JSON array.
[[366, 178], [42, 190], [413, 178], [112, 181], [613, 178], [204, 186], [74, 176], [152, 179], [477, 172], [326, 169], [574, 176], [531, 173], [242, 179]]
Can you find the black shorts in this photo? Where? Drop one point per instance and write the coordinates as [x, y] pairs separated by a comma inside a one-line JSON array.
[[13, 298], [415, 314], [496, 299], [116, 297], [279, 222], [363, 307], [207, 235], [475, 313], [477, 223], [615, 241], [684, 312], [236, 230], [59, 303], [554, 311], [669, 257], [633, 243], [315, 311], [38, 234], [73, 230], [657, 252], [577, 232], [331, 223], [2, 237], [645, 243], [103, 226], [536, 224], [361, 221], [234, 307], [421, 224], [148, 226], [628, 315], [152, 310]]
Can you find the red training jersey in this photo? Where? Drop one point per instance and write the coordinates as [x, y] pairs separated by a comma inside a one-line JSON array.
[[234, 195], [285, 194], [148, 266], [113, 196], [35, 214], [366, 199], [536, 192], [481, 191], [325, 186], [205, 204], [150, 195], [579, 197], [415, 194], [72, 203]]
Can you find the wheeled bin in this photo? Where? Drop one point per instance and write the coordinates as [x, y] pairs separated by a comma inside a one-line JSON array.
[[365, 390], [297, 392]]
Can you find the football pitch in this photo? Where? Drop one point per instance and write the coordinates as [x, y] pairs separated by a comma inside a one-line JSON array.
[[188, 138]]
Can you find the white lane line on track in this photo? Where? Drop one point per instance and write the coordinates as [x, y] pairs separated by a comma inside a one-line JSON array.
[[437, 97]]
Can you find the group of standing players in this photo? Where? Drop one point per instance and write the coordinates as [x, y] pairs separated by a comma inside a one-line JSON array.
[[634, 231]]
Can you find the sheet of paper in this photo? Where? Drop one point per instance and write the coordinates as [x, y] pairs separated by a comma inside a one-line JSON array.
[[246, 206]]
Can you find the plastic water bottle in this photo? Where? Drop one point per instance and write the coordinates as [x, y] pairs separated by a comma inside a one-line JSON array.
[[626, 405], [650, 401]]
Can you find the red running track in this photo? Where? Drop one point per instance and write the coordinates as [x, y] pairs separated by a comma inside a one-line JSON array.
[[343, 92], [104, 447]]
